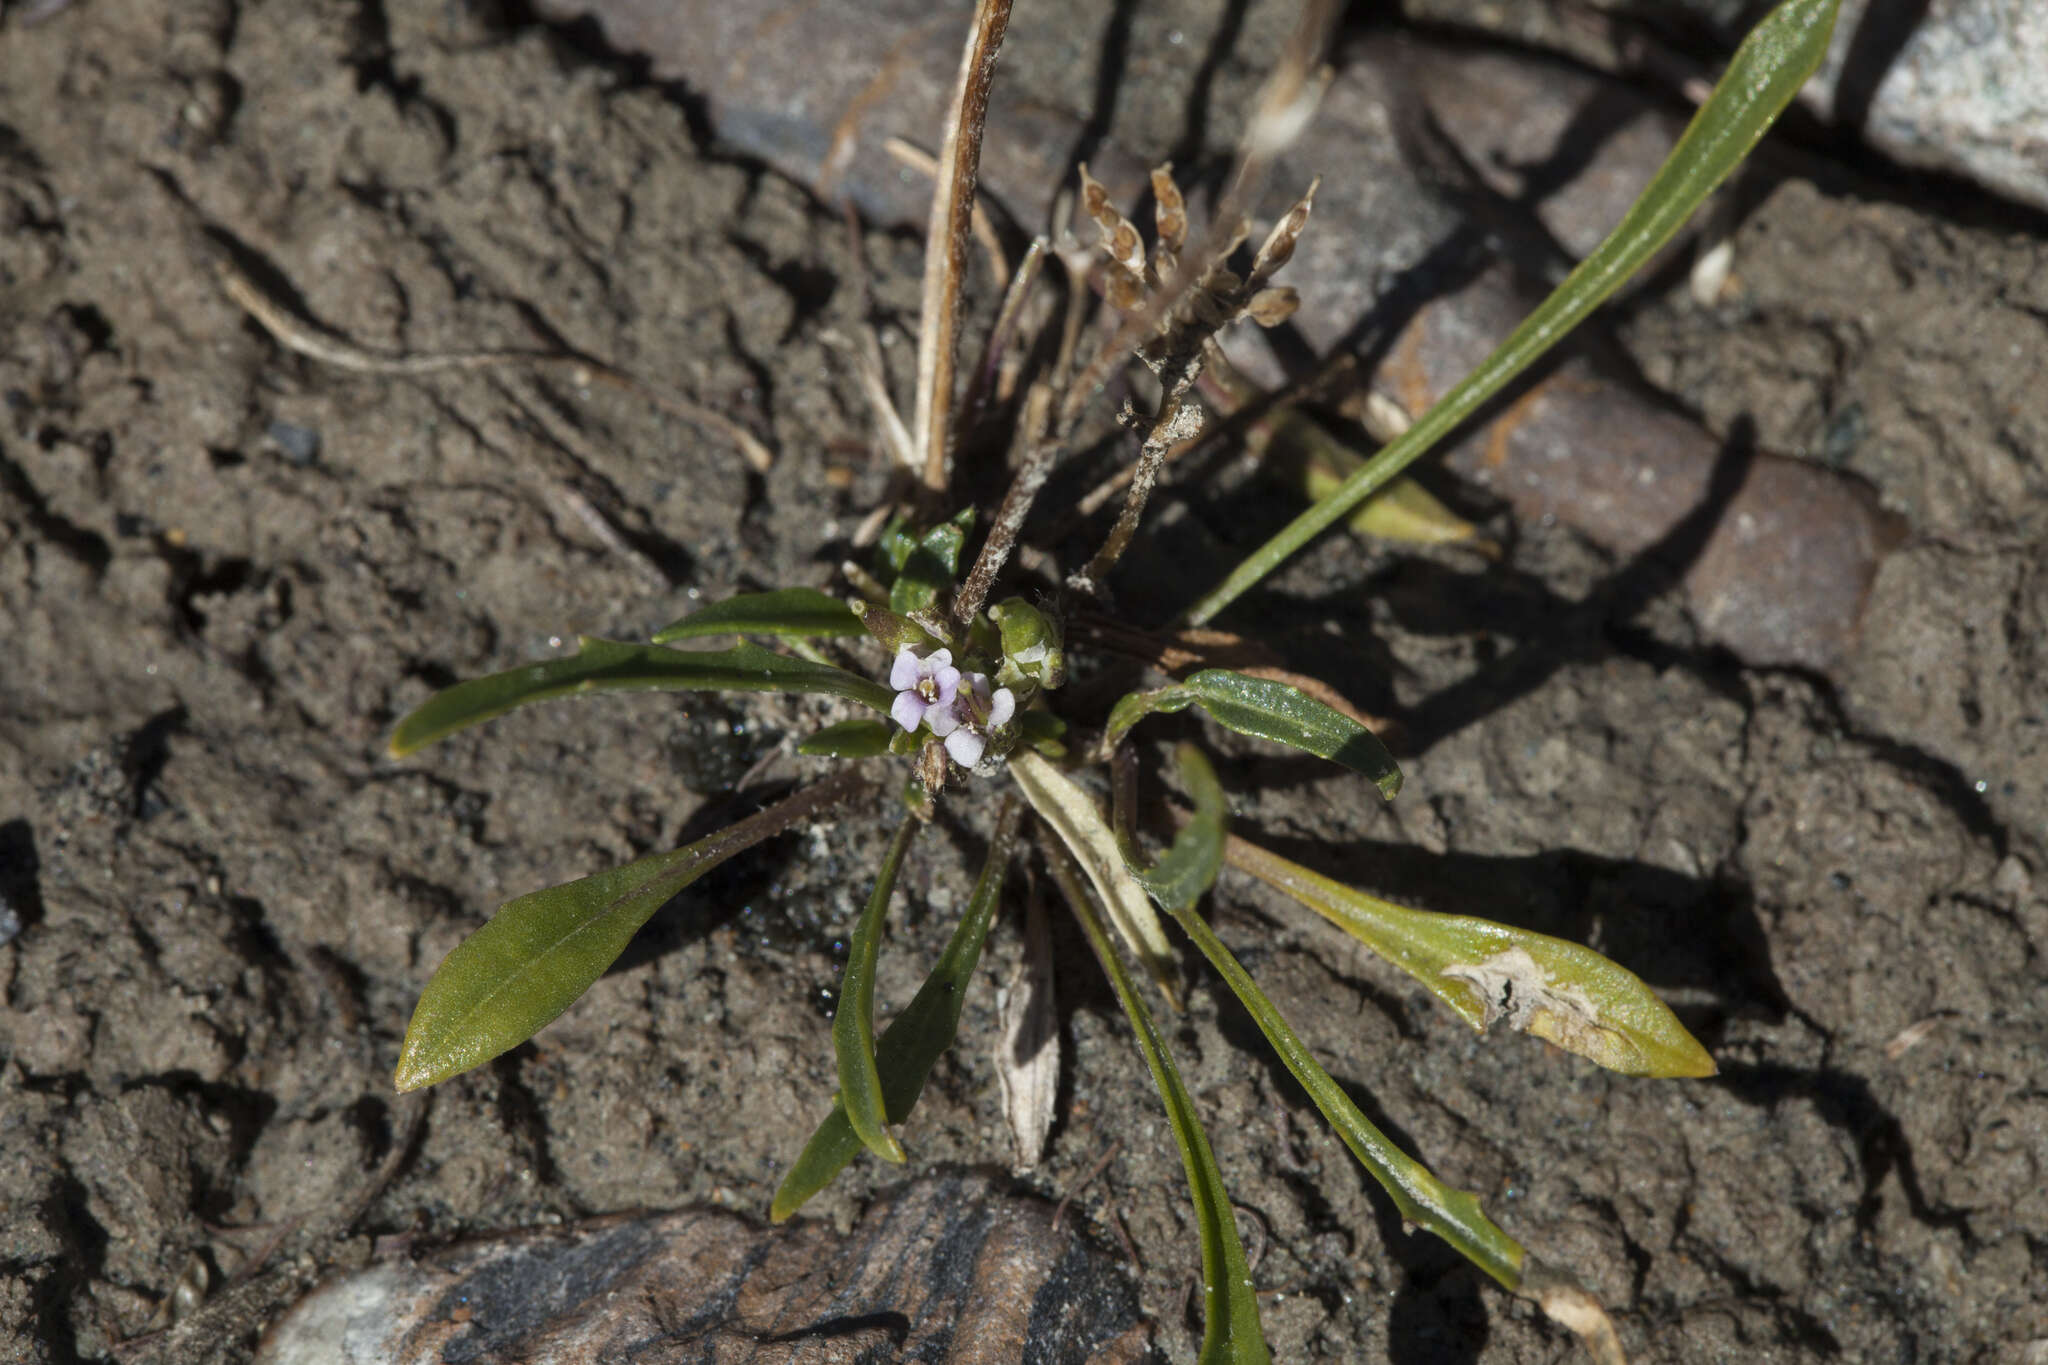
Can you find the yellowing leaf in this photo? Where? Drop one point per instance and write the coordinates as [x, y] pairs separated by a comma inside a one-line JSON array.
[[1494, 973]]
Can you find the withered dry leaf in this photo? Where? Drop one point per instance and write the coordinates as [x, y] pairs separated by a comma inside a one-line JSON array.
[[1028, 1044]]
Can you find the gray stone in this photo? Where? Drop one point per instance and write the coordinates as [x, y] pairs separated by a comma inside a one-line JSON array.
[[1961, 88], [1964, 91]]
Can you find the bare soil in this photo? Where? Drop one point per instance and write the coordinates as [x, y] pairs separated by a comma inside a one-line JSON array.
[[225, 570]]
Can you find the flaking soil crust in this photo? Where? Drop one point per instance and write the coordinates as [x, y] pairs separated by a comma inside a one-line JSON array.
[[225, 570]]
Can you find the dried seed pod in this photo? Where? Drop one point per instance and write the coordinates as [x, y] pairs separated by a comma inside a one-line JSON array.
[[1170, 214], [1119, 238], [1124, 290], [1271, 307], [1279, 246]]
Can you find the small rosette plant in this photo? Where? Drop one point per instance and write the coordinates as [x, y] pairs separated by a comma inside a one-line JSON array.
[[970, 696]]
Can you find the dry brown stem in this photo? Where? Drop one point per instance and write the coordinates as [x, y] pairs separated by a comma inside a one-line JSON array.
[[946, 238]]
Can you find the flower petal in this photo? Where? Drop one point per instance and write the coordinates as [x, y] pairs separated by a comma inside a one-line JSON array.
[[908, 668], [943, 718], [938, 659], [965, 746], [908, 711], [1001, 707]]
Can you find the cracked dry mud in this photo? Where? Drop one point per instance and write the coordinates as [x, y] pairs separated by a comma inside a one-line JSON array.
[[224, 571]]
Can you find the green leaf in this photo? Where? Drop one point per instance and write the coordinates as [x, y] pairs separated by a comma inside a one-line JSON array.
[[861, 738], [1231, 1333], [1074, 816], [1043, 731], [1266, 709], [1766, 72], [1422, 1199], [798, 612], [914, 1040], [1188, 869], [1492, 973], [853, 1025], [893, 547], [537, 954], [608, 666], [931, 565]]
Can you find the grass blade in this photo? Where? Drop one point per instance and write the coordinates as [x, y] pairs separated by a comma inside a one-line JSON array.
[[914, 1040], [609, 666], [792, 612], [1488, 973], [1230, 1310], [853, 1025], [537, 954], [1266, 709], [1766, 72]]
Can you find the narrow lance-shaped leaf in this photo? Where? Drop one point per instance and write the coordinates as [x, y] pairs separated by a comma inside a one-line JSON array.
[[1423, 1200], [537, 954], [1767, 71], [861, 738], [1231, 1332], [853, 1026], [1266, 709], [914, 1040], [1186, 871], [609, 666], [789, 612], [1073, 816], [1491, 973]]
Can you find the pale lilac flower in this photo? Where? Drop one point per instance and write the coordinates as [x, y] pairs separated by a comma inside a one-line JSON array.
[[959, 707], [975, 712], [927, 689]]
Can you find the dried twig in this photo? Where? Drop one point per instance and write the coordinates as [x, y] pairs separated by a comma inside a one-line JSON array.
[[866, 354], [992, 353], [1180, 418], [1040, 455], [1289, 97], [1101, 1165], [609, 535], [946, 238], [316, 342]]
